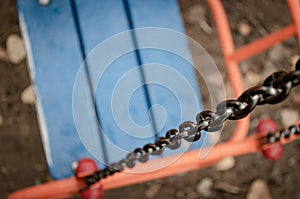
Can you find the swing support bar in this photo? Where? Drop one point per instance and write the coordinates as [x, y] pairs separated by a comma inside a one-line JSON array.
[[188, 161]]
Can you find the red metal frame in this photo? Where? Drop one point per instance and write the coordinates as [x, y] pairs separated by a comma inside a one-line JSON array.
[[188, 162], [239, 144]]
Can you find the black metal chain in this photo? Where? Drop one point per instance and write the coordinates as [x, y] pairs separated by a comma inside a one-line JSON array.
[[273, 137], [274, 89]]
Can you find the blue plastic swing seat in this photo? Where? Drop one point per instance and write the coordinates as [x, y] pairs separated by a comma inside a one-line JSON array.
[[103, 90]]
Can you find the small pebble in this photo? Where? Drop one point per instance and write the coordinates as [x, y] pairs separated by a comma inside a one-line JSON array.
[[152, 190], [28, 96], [244, 29], [204, 187], [4, 171], [205, 27], [74, 165], [289, 116], [226, 187], [196, 14], [225, 164], [259, 189], [15, 49]]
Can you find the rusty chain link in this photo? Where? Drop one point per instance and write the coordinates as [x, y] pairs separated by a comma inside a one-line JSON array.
[[274, 89]]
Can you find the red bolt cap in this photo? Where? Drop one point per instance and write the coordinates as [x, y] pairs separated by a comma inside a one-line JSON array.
[[87, 166], [264, 127]]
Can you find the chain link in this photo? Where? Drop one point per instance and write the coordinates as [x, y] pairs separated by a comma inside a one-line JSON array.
[[273, 137], [274, 89]]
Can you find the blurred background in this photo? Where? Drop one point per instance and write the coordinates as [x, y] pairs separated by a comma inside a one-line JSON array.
[[22, 161]]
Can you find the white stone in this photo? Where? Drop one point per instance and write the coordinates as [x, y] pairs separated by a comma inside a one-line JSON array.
[[15, 49], [28, 96], [205, 186], [259, 189], [244, 29], [205, 27], [225, 164], [289, 116], [74, 165], [196, 14]]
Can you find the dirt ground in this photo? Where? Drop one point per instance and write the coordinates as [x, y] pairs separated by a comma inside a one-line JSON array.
[[22, 162]]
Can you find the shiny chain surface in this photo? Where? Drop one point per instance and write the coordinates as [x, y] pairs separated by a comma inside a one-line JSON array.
[[274, 89]]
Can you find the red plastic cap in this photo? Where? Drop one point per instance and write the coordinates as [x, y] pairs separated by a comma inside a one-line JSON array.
[[85, 167], [264, 127]]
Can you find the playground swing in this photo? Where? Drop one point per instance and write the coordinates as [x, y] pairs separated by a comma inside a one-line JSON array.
[[275, 89]]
